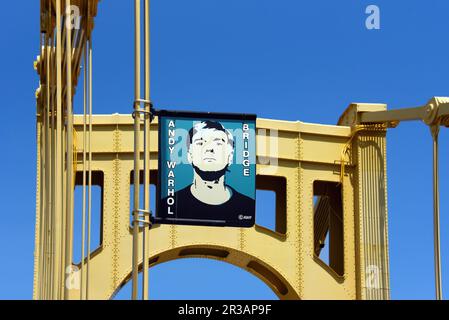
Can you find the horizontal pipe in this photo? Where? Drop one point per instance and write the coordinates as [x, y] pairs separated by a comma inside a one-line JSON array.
[[394, 115]]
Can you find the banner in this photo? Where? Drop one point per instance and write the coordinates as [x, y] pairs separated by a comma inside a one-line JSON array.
[[207, 169]]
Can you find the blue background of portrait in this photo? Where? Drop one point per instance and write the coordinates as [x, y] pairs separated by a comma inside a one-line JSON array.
[[184, 170]]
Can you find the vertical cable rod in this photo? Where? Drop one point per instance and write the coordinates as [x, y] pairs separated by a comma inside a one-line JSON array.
[[146, 177], [51, 246], [58, 155], [135, 255], [436, 214], [41, 108], [89, 168], [83, 223], [69, 159], [47, 198]]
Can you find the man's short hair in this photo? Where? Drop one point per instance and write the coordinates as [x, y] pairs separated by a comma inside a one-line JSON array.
[[209, 125]]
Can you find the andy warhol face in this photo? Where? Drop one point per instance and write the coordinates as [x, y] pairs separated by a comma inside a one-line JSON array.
[[210, 147]]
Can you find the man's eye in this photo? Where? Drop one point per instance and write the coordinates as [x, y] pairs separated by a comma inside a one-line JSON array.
[[199, 143]]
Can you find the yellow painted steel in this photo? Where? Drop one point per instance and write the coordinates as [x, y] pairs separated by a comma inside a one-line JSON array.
[[299, 154], [285, 261]]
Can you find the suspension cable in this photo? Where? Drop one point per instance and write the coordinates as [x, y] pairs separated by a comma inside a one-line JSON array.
[[146, 177], [135, 255], [83, 232], [89, 192], [69, 159], [58, 156]]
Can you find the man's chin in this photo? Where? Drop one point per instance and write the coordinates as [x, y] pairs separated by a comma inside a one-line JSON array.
[[210, 174], [210, 170]]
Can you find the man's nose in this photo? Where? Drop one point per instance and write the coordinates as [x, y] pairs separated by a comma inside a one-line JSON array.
[[209, 149]]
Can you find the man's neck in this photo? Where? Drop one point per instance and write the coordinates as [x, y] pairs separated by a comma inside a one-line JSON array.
[[210, 192]]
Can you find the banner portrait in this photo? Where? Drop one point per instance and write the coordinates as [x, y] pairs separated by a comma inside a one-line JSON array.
[[207, 169]]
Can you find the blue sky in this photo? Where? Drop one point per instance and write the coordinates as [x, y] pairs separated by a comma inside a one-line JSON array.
[[289, 59]]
